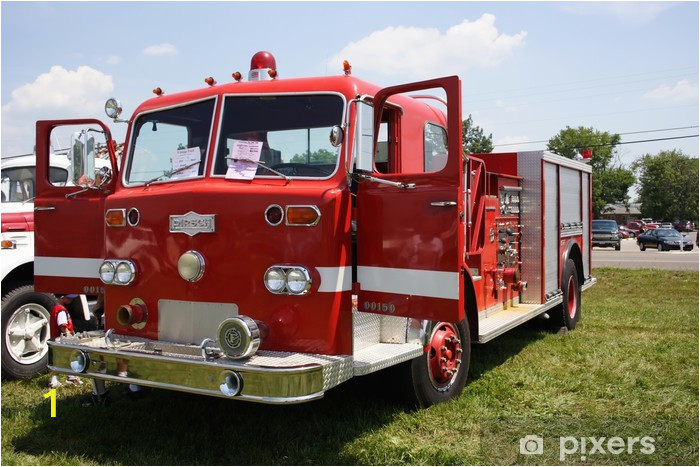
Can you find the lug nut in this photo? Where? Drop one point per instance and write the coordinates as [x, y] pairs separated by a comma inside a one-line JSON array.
[[443, 360], [443, 348]]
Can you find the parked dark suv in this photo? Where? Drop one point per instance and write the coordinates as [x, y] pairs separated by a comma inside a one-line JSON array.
[[605, 233]]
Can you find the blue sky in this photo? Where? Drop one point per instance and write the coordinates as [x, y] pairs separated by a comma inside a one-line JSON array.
[[529, 69]]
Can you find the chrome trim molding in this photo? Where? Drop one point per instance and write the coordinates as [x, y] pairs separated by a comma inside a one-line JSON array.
[[267, 377]]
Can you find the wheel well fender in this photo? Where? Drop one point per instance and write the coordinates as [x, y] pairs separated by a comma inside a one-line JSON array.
[[573, 251], [471, 310]]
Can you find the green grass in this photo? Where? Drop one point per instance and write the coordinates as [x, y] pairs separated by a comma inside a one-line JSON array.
[[630, 369]]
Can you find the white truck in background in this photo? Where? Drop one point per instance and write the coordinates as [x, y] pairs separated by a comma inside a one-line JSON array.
[[25, 313]]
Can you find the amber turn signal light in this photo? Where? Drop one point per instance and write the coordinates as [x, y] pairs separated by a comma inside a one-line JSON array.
[[303, 215], [116, 217]]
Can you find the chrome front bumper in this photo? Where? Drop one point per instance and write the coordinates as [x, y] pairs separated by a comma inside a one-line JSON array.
[[268, 377]]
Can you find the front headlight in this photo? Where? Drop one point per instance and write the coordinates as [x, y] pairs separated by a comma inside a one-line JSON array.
[[107, 272], [125, 273], [287, 280], [298, 281], [275, 280]]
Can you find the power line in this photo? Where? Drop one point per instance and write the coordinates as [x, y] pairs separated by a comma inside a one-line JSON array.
[[634, 142], [626, 133]]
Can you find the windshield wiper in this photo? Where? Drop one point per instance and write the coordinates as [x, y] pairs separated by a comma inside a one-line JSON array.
[[261, 164], [181, 169]]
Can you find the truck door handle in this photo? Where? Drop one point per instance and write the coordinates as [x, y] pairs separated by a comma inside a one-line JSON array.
[[44, 208], [443, 204]]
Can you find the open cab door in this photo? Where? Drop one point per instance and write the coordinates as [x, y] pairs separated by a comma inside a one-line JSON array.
[[410, 209], [69, 215]]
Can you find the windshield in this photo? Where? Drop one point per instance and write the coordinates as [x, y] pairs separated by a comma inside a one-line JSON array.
[[291, 133], [18, 182], [170, 144], [604, 224], [667, 233]]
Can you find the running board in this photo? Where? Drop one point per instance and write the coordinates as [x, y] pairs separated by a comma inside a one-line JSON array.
[[379, 356], [515, 315]]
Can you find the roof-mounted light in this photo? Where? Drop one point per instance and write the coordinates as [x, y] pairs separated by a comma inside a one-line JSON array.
[[210, 81], [237, 76], [262, 67], [158, 92], [347, 69]]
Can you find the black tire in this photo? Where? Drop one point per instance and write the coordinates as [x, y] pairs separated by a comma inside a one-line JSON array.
[[660, 247], [569, 312], [20, 306], [617, 247], [642, 247], [429, 389]]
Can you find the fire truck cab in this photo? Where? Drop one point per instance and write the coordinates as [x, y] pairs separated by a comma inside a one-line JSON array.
[[268, 239]]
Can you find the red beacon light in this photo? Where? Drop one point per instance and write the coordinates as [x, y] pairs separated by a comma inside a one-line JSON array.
[[262, 67], [587, 154], [347, 69]]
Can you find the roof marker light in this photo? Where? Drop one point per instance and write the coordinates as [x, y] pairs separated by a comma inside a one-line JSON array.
[[210, 81], [347, 69], [237, 76], [158, 92]]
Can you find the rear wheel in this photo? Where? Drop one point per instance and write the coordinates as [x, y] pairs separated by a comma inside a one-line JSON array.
[[569, 313], [441, 373], [25, 331], [617, 247], [660, 247]]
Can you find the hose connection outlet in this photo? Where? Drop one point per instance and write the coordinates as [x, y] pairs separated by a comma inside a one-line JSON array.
[[134, 314]]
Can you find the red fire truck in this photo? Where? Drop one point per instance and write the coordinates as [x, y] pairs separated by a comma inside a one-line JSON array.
[[268, 239]]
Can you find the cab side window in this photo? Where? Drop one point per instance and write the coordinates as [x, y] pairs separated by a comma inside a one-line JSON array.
[[434, 148], [387, 157]]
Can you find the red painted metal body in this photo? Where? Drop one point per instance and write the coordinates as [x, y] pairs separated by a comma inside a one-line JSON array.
[[421, 242]]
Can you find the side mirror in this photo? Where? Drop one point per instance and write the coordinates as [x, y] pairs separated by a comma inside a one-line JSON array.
[[82, 157], [364, 137]]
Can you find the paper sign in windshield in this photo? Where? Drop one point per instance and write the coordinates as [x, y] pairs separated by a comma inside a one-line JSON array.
[[186, 163], [242, 161]]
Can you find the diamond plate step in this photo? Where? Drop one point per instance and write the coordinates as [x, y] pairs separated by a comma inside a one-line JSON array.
[[379, 356], [505, 320]]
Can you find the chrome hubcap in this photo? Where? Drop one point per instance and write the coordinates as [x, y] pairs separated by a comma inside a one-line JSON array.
[[28, 333]]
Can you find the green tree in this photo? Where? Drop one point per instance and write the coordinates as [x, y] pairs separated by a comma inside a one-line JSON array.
[[322, 156], [473, 139], [668, 185], [610, 183]]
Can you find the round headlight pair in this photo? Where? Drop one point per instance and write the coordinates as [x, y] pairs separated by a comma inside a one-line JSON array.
[[294, 280], [119, 272]]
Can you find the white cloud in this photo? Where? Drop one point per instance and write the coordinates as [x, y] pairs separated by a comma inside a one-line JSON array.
[[161, 49], [59, 93], [420, 51], [683, 91], [514, 144], [637, 12]]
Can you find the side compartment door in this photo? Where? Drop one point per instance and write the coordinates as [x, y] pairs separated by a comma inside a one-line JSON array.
[[410, 231], [68, 221]]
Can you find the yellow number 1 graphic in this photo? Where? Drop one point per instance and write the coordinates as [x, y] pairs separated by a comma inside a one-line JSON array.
[[52, 394]]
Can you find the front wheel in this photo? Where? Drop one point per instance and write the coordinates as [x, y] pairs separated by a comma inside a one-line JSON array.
[[441, 373], [25, 332], [660, 247], [642, 247]]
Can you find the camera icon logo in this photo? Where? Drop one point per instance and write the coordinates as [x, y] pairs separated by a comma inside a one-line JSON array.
[[531, 444]]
